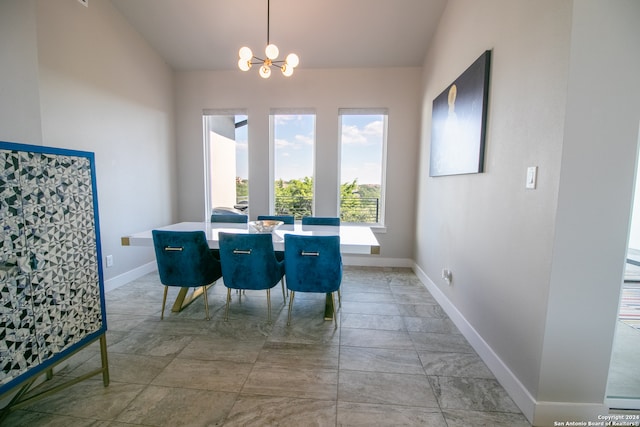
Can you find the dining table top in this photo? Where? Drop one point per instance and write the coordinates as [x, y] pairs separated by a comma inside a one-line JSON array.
[[354, 239]]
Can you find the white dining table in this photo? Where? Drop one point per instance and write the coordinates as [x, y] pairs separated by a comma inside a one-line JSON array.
[[354, 239]]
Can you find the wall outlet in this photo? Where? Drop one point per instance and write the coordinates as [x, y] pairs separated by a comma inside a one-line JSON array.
[[447, 276], [109, 260]]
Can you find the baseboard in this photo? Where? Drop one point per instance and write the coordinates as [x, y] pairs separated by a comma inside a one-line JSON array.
[[124, 278], [375, 261], [503, 374], [537, 412]]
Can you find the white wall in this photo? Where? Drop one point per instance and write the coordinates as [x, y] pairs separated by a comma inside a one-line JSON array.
[[103, 89], [325, 91], [537, 273], [594, 205], [19, 92]]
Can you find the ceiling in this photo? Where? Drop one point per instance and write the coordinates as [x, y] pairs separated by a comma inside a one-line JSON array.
[[206, 34]]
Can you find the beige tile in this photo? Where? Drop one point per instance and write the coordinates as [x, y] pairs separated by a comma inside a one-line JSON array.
[[204, 374], [164, 406], [151, 344], [310, 383], [454, 364], [477, 394], [223, 348], [89, 399], [454, 343], [484, 419], [129, 368], [282, 411], [294, 356], [366, 414], [22, 418], [372, 321], [386, 388], [375, 338], [400, 361]]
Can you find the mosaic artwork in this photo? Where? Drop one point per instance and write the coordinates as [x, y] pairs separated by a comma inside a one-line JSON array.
[[51, 295]]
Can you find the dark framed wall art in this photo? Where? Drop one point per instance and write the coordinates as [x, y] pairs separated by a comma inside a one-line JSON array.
[[458, 124]]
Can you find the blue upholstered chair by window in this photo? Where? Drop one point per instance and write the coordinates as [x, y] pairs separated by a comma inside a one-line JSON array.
[[235, 218], [249, 262], [312, 264], [286, 219], [185, 260], [320, 220]]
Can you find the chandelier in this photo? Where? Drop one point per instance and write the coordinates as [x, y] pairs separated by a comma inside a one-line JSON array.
[[247, 59]]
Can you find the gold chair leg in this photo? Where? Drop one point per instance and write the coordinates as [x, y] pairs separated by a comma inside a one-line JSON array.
[[291, 295], [339, 299], [206, 303], [335, 314], [164, 301], [284, 295], [226, 311], [268, 305]]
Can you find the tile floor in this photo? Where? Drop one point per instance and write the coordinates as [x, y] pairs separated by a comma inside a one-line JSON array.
[[395, 359]]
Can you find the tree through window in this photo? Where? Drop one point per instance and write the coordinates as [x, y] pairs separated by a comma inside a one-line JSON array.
[[362, 165]]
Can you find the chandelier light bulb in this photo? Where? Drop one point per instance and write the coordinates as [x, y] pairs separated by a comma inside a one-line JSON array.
[[245, 53], [244, 64], [287, 70], [271, 51], [293, 60], [265, 71]]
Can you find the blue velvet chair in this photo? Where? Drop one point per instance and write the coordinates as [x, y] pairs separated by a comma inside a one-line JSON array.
[[286, 219], [312, 264], [235, 218], [320, 220], [185, 260], [249, 262]]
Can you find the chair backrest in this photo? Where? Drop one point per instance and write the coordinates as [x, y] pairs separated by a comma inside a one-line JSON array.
[[312, 263], [184, 258], [286, 219], [236, 218], [319, 220], [248, 261]]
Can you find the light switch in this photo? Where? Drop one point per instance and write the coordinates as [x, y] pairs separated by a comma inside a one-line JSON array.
[[532, 176]]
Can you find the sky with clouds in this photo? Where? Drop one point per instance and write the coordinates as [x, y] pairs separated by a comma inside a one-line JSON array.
[[361, 145]]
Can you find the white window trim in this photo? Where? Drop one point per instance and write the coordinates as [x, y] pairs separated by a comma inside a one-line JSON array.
[[380, 225], [272, 150], [206, 153]]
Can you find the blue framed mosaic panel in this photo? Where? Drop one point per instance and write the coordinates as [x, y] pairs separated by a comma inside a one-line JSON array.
[[51, 279]]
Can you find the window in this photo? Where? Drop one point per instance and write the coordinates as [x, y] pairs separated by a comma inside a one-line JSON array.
[[293, 143], [226, 161], [363, 135]]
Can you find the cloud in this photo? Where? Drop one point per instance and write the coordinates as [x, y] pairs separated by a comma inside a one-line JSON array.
[[283, 143], [304, 139], [370, 134], [283, 119]]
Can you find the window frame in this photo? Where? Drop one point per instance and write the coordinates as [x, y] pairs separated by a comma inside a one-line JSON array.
[[206, 152], [384, 112], [272, 151]]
